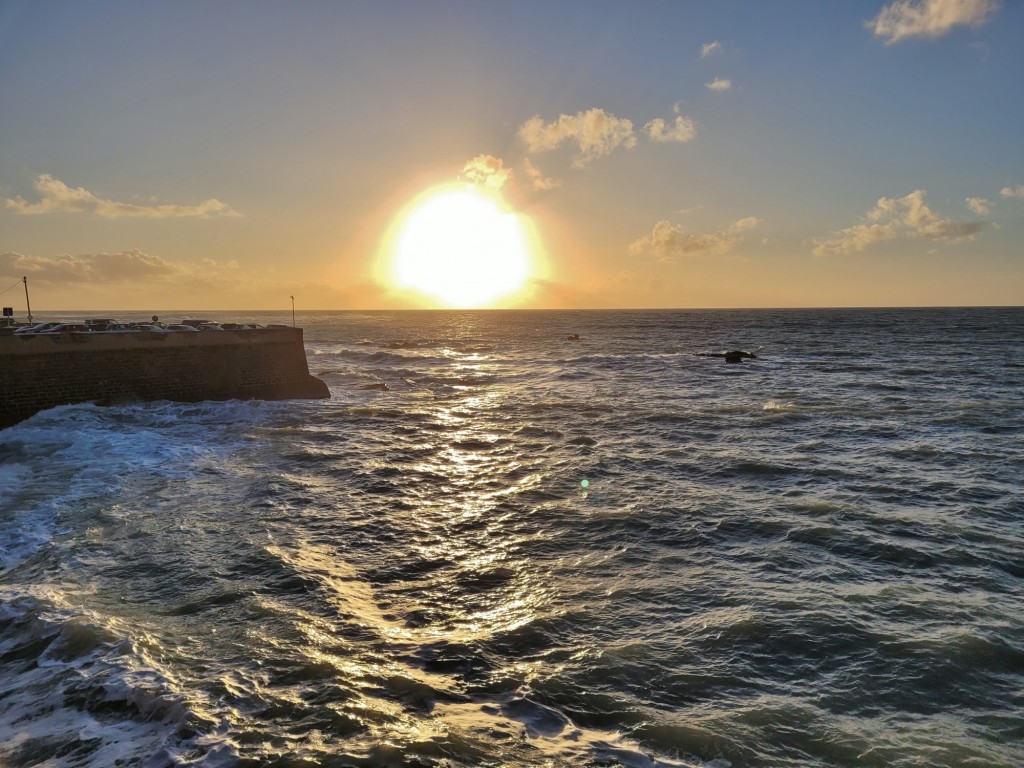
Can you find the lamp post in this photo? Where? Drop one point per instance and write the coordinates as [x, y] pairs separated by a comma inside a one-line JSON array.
[[27, 304], [293, 310]]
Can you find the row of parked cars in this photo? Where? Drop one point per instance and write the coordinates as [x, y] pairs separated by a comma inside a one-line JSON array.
[[106, 325]]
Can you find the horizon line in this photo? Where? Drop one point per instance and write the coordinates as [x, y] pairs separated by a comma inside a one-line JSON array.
[[297, 311]]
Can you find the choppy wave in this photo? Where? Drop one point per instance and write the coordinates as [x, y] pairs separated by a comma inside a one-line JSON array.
[[531, 552]]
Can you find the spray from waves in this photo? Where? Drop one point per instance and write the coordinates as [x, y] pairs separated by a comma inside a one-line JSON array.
[[91, 453], [830, 583], [84, 690], [81, 687]]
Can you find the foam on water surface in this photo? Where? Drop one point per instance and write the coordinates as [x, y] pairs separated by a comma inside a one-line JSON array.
[[810, 559]]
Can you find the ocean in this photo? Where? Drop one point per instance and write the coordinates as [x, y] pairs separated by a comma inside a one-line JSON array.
[[496, 546]]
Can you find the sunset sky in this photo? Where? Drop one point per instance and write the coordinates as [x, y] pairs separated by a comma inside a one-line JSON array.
[[228, 155]]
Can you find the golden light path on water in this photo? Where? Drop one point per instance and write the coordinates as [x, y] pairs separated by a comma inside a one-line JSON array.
[[478, 480], [772, 563]]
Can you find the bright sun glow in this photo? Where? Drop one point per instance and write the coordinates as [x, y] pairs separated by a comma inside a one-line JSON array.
[[458, 246]]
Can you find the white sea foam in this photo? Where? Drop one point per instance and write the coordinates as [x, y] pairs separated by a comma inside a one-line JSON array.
[[12, 477], [90, 664], [417, 577], [551, 734]]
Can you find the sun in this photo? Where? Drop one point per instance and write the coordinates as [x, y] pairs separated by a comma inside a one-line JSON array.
[[460, 246]]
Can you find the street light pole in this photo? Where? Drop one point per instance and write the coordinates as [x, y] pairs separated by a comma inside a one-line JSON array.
[[27, 304], [293, 310]]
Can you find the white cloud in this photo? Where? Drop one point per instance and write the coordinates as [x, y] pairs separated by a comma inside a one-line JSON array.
[[595, 132], [669, 242], [537, 178], [978, 205], [93, 268], [904, 19], [746, 223], [488, 171], [709, 48], [132, 274], [719, 84], [1017, 191], [682, 129], [892, 218], [56, 196]]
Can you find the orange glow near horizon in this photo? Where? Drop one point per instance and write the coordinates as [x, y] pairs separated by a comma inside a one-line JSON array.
[[459, 247]]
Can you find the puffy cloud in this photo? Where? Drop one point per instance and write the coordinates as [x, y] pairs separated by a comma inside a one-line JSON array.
[[978, 205], [1017, 191], [595, 132], [94, 268], [892, 218], [746, 223], [537, 178], [488, 171], [709, 48], [904, 19], [669, 242], [56, 196], [682, 129], [719, 84]]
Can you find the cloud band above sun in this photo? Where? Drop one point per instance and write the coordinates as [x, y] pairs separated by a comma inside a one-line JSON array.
[[668, 242], [57, 197], [487, 170], [594, 132]]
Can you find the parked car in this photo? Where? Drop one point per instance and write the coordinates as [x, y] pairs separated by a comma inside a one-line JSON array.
[[181, 327], [67, 328], [37, 328], [202, 325], [100, 323]]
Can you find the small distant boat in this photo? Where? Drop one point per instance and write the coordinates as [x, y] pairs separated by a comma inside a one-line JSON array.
[[573, 337]]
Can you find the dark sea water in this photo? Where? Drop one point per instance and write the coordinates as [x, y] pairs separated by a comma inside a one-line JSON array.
[[530, 551]]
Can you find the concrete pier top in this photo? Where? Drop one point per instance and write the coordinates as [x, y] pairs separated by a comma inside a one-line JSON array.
[[58, 343]]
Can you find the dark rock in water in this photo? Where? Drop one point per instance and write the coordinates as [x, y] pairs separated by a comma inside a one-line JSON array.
[[736, 356], [380, 386], [732, 356]]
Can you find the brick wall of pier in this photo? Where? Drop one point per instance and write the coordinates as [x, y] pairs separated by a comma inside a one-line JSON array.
[[40, 371]]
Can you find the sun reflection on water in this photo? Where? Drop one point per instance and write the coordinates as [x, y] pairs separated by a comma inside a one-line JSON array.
[[404, 642]]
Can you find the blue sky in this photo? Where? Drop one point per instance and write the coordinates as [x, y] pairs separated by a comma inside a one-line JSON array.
[[230, 154]]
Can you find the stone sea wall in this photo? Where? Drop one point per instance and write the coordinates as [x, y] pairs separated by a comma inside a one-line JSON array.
[[41, 371]]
